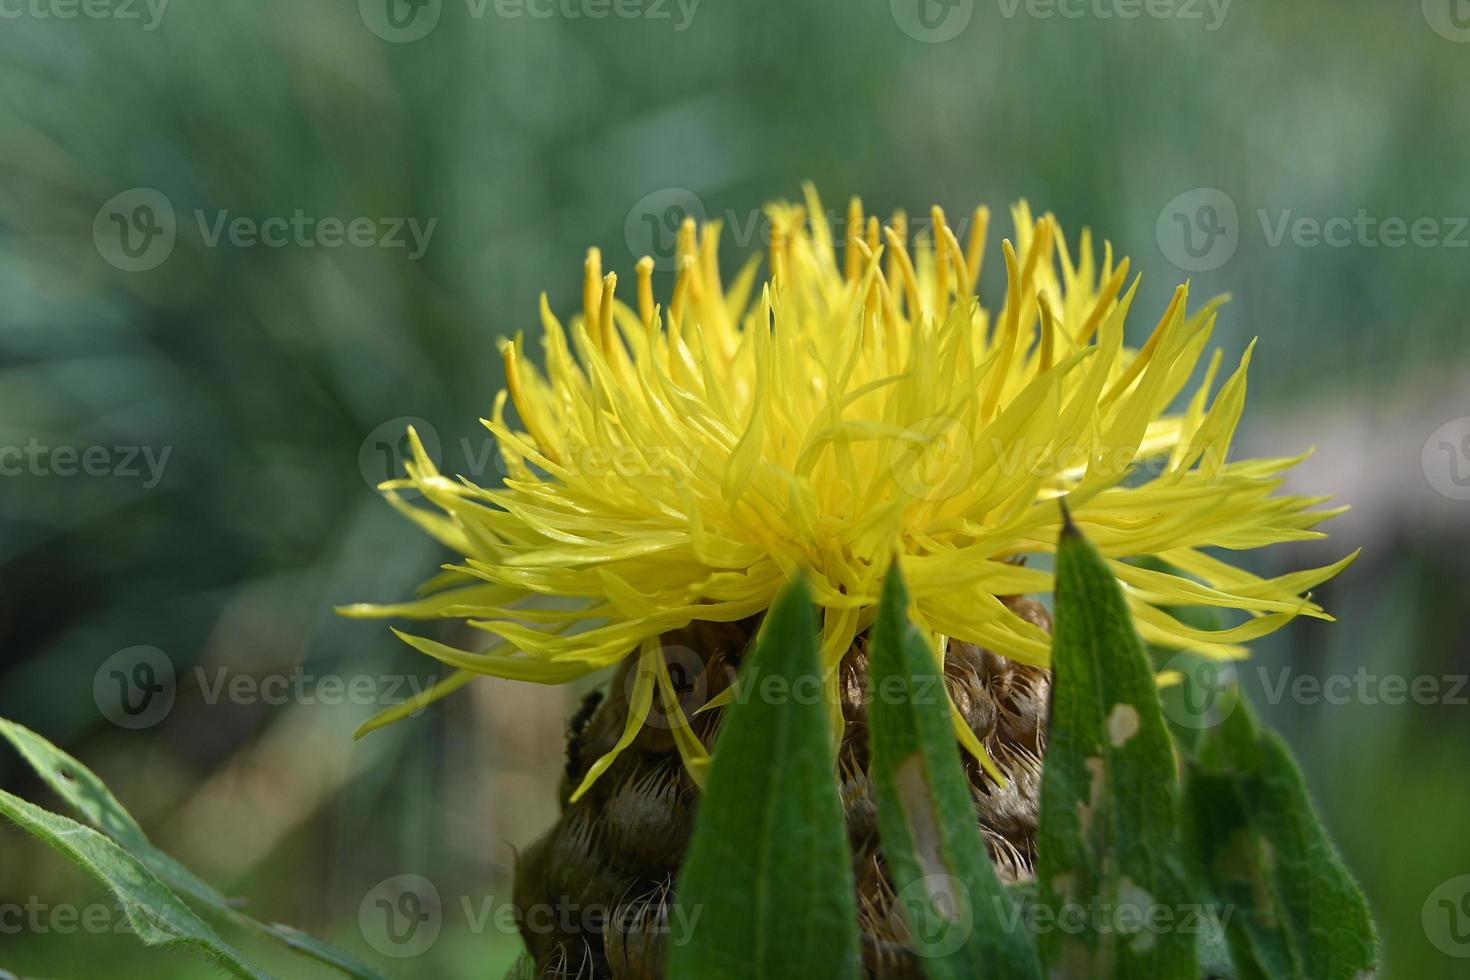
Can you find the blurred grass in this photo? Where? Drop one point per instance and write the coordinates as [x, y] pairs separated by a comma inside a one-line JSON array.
[[265, 370]]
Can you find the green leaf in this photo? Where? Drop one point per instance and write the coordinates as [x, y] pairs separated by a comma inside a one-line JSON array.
[[156, 915], [91, 798], [769, 874], [962, 923], [1108, 835], [1295, 911]]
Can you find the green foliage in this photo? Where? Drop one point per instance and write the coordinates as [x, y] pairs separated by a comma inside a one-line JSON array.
[[1235, 876], [768, 875], [961, 921], [146, 880], [1297, 911], [1109, 799], [155, 914], [1232, 876]]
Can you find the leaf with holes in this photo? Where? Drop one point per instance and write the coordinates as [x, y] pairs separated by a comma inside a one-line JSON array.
[[1295, 910], [1107, 844]]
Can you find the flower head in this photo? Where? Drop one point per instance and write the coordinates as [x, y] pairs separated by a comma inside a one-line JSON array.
[[684, 463]]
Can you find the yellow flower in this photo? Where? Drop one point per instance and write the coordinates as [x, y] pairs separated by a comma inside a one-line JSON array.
[[681, 464]]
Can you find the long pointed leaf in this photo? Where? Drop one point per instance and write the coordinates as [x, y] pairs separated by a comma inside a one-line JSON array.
[[91, 798], [1295, 910], [1109, 805], [768, 880], [962, 923], [155, 914]]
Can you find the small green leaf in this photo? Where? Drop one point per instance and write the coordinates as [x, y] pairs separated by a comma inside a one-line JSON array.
[[962, 923], [1295, 910], [156, 915], [769, 874], [91, 798], [1108, 835]]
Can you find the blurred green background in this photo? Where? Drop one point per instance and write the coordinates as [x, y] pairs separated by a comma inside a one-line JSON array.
[[278, 379]]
